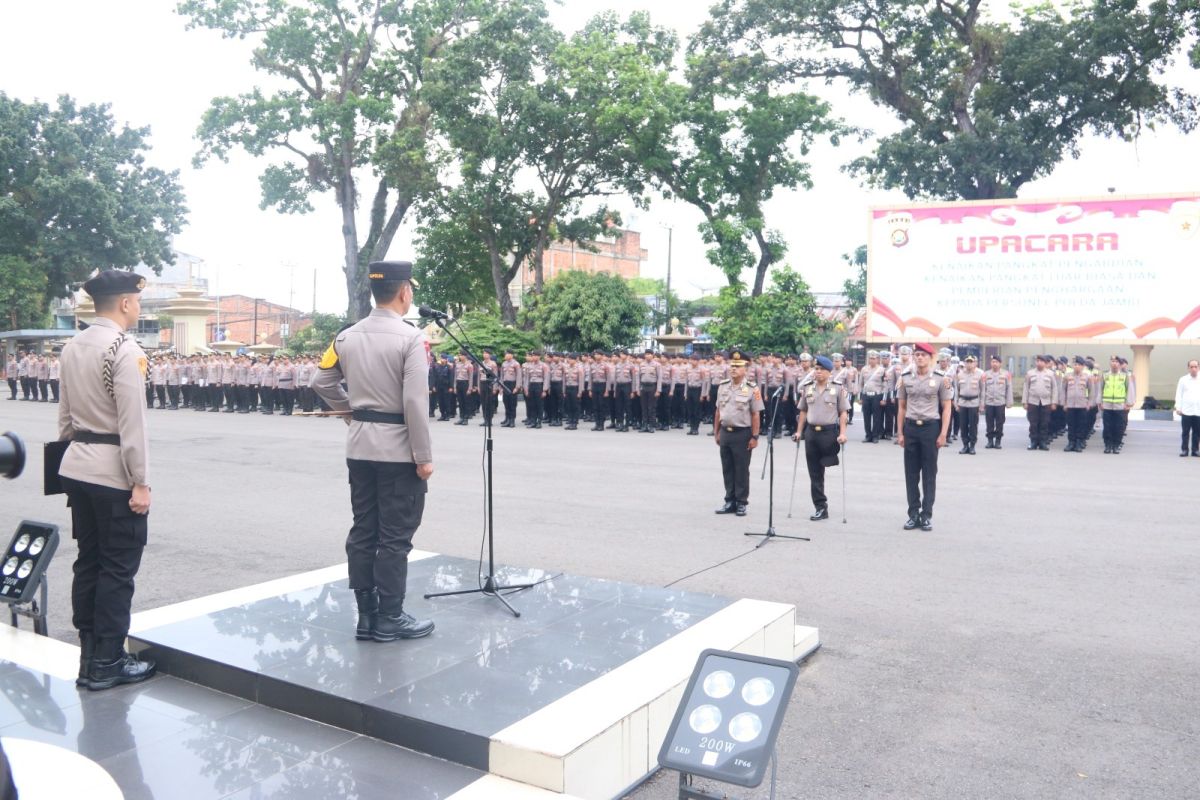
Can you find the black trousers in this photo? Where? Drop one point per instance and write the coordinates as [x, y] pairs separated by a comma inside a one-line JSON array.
[[647, 396], [872, 414], [230, 396], [599, 403], [1190, 426], [288, 398], [267, 399], [920, 466], [621, 399], [889, 419], [254, 395], [111, 539], [1076, 418], [678, 404], [1039, 424], [160, 390], [710, 404], [850, 408], [487, 395], [995, 421], [1114, 426], [819, 448], [388, 500], [12, 388], [214, 396], [461, 390], [445, 401], [554, 402], [693, 407], [968, 423], [536, 403], [571, 403], [173, 394], [735, 463], [510, 402]]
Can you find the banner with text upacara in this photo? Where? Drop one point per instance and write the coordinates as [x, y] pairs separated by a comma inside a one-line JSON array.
[[1109, 268]]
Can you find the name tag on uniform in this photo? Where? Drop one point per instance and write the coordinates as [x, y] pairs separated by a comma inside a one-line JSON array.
[[933, 383]]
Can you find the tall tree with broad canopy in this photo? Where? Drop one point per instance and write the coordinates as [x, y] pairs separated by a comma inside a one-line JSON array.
[[581, 311], [76, 194], [988, 102]]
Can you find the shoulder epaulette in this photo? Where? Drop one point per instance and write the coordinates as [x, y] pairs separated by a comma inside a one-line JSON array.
[[727, 380], [752, 384], [939, 372]]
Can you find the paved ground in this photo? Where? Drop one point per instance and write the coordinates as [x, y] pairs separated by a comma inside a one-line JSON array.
[[1041, 642]]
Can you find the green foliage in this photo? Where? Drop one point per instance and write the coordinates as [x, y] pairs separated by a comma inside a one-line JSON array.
[[657, 288], [76, 194], [315, 338], [22, 293], [986, 105], [584, 311], [485, 329], [782, 318], [453, 267], [856, 289]]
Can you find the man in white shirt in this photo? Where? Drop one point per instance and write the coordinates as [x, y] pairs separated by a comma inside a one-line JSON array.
[[1187, 408]]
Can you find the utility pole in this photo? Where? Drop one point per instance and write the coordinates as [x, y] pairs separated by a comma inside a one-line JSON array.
[[670, 242]]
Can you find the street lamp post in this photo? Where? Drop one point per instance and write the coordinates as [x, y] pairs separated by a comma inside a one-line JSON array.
[[670, 242]]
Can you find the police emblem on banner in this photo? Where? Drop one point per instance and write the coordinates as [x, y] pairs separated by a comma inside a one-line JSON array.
[[1185, 219], [898, 224]]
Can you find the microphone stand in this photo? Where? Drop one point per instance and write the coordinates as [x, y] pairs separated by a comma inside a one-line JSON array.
[[771, 534], [490, 587]]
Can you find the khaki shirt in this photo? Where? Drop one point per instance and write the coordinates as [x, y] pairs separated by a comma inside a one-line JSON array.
[[997, 388], [923, 395], [510, 371], [873, 380], [968, 389], [86, 405], [1040, 389], [382, 359], [823, 406], [736, 403], [601, 376], [573, 375], [1077, 391], [650, 374]]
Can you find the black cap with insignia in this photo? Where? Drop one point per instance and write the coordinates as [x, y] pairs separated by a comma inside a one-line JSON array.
[[115, 281], [391, 271]]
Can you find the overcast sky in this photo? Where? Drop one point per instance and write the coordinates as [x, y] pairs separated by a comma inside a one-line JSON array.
[[137, 55]]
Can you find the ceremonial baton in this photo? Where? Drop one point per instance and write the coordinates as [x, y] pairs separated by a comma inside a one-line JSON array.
[[324, 414], [795, 467], [845, 447]]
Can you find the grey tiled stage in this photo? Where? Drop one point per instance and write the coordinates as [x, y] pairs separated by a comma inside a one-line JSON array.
[[446, 695], [166, 738]]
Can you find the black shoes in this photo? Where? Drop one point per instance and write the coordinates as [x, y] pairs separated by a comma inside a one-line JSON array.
[[87, 649], [962, 451], [111, 666], [821, 513], [390, 627], [1043, 447], [741, 510], [728, 508], [912, 523], [1032, 446], [971, 449], [368, 608], [926, 524]]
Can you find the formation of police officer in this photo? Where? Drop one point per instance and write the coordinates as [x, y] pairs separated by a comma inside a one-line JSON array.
[[233, 384], [36, 375], [105, 472], [377, 370]]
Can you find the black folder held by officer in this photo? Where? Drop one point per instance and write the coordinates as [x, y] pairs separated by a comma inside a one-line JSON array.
[[823, 409], [388, 449]]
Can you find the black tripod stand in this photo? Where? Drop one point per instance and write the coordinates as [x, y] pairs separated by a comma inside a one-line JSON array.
[[771, 534], [489, 586]]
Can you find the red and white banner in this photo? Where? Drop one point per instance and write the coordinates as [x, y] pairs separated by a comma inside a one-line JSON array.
[[1114, 268]]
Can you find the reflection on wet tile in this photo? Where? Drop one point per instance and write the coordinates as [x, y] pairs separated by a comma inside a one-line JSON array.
[[278, 732], [473, 698], [194, 764], [34, 697], [178, 699], [568, 658], [236, 636]]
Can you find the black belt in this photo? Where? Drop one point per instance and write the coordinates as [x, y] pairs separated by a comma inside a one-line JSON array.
[[872, 394], [363, 415], [976, 397], [646, 384], [820, 428], [87, 437], [732, 429], [921, 422]]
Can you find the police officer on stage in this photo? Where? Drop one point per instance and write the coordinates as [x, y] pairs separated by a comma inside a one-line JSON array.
[[923, 410], [105, 472], [388, 448], [821, 422], [736, 425]]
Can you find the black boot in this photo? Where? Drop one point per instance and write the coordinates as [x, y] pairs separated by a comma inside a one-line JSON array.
[[728, 508], [111, 666], [87, 649], [392, 623], [997, 442], [368, 607], [820, 514]]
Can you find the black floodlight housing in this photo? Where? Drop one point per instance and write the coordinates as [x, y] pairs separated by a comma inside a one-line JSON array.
[[725, 727], [25, 561]]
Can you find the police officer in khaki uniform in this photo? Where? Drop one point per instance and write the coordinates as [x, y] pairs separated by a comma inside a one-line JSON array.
[[1077, 398], [923, 407], [997, 396], [1039, 395], [105, 472], [388, 448], [736, 421], [968, 402], [821, 422]]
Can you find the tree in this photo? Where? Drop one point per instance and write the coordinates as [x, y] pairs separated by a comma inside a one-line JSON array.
[[657, 289], [584, 311], [539, 123], [987, 104], [76, 194], [782, 318], [315, 338], [482, 329], [352, 75], [740, 134], [453, 267], [856, 289]]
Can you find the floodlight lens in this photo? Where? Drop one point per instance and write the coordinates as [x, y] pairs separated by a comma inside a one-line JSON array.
[[758, 691], [745, 727], [10, 566], [26, 568], [719, 684], [37, 545], [22, 543], [705, 719]]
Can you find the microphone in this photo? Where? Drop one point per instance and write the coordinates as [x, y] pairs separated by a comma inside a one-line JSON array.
[[432, 313]]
